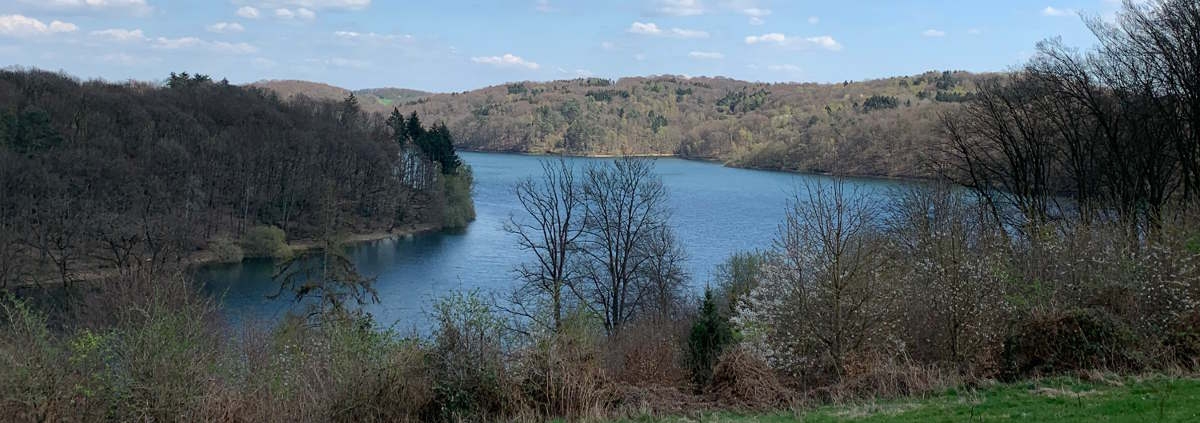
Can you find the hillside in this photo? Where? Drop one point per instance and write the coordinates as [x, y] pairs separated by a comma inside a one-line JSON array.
[[373, 100], [877, 127]]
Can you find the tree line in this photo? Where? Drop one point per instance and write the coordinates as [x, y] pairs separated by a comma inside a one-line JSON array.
[[136, 176]]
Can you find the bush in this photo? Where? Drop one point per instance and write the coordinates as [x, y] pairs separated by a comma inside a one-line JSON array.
[[1075, 340], [744, 380], [225, 250], [265, 241], [460, 208], [470, 378], [564, 374]]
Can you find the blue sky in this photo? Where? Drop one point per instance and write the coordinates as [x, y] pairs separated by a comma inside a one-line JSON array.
[[455, 45]]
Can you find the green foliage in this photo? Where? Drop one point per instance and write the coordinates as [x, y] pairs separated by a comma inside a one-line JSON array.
[[735, 278], [742, 101], [225, 250], [880, 102], [460, 208], [518, 88], [1058, 400], [467, 354], [710, 335], [265, 242], [29, 131], [607, 95], [953, 97]]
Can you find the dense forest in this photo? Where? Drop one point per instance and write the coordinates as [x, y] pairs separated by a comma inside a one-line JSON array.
[[878, 127], [130, 177]]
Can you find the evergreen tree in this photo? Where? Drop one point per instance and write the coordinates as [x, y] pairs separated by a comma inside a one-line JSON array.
[[710, 335], [414, 128], [397, 123], [350, 110]]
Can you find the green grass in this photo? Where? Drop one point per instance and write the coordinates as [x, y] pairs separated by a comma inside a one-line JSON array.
[[1052, 400]]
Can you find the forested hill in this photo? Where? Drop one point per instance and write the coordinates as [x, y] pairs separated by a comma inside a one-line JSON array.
[[380, 100], [877, 127], [96, 175]]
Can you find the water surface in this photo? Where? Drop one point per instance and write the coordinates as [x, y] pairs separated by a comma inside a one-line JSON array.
[[716, 211]]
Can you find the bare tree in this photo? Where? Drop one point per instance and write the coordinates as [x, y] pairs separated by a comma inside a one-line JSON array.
[[823, 296], [626, 211], [550, 230]]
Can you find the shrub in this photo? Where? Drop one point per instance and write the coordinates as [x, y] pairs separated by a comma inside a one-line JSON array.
[[460, 208], [265, 241], [742, 379], [467, 356], [1074, 340], [564, 374], [225, 250]]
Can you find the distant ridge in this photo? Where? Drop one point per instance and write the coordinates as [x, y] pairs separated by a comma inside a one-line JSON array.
[[372, 99]]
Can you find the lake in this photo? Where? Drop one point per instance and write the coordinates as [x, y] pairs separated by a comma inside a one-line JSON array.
[[716, 211]]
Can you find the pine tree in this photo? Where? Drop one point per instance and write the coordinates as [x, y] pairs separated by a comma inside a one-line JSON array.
[[710, 335]]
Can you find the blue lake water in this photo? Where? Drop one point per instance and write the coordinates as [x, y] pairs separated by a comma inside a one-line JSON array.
[[716, 211]]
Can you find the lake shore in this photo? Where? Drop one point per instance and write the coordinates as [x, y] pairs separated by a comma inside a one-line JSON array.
[[206, 257], [899, 178]]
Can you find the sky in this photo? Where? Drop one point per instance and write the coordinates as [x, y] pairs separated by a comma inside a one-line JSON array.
[[458, 45]]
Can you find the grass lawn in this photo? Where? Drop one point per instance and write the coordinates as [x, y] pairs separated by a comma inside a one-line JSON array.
[[1053, 400]]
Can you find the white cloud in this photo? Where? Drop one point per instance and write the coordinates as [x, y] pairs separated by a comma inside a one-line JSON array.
[[543, 6], [706, 55], [506, 61], [933, 33], [681, 7], [974, 31], [582, 73], [688, 33], [23, 26], [372, 36], [772, 38], [247, 12], [189, 43], [644, 28], [226, 27], [290, 14], [756, 12], [823, 41], [118, 34], [314, 4], [608, 46], [653, 29], [639, 57], [814, 20], [1052, 11], [133, 6]]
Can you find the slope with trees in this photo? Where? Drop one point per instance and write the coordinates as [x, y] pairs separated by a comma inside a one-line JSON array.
[[877, 127], [134, 177]]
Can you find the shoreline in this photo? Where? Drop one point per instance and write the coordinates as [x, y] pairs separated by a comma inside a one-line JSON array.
[[205, 257], [903, 178]]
